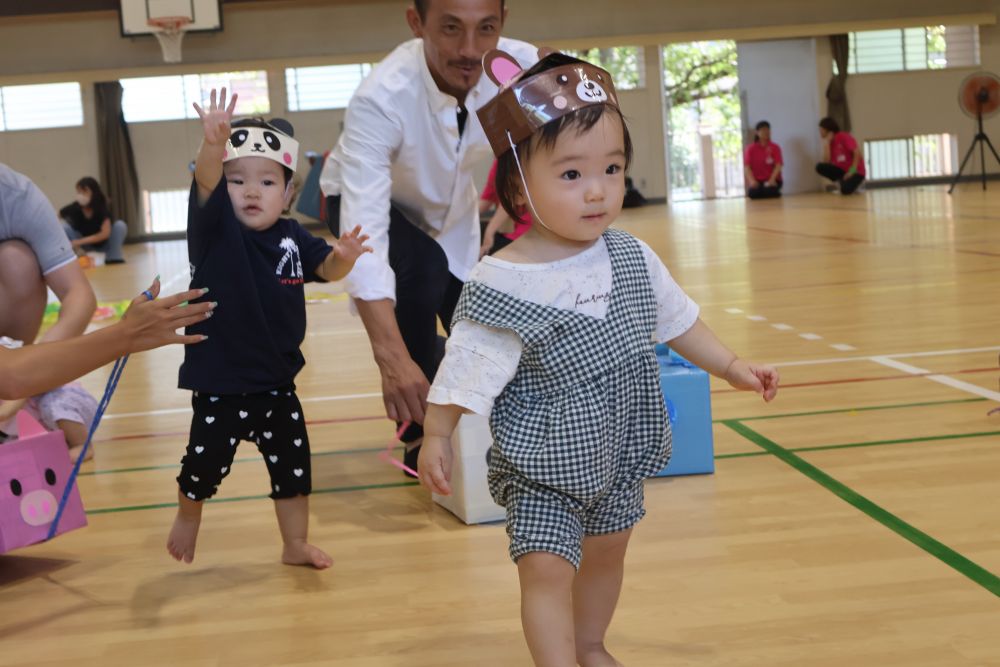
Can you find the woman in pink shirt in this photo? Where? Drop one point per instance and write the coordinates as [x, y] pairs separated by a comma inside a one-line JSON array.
[[762, 164], [842, 162], [493, 238]]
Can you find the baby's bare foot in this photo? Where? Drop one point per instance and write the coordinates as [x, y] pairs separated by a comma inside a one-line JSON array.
[[303, 553], [182, 538]]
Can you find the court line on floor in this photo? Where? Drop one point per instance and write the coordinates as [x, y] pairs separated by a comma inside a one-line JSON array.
[[371, 450], [940, 378], [717, 457], [164, 287], [335, 489], [782, 415], [867, 443], [939, 550], [733, 455], [809, 362], [176, 411], [924, 353], [877, 378]]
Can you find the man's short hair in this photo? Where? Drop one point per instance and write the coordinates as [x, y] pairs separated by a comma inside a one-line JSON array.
[[421, 6]]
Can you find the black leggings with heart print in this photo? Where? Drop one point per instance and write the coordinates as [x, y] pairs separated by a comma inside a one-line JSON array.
[[273, 420]]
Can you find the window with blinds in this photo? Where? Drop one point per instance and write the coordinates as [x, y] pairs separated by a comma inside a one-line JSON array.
[[919, 156], [155, 98], [908, 49], [40, 106], [166, 210], [324, 87]]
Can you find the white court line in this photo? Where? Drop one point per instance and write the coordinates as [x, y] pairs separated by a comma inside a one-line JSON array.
[[934, 353], [927, 353], [164, 286], [806, 362], [177, 411], [783, 327], [811, 336], [733, 311], [757, 318], [940, 379], [843, 347], [336, 333]]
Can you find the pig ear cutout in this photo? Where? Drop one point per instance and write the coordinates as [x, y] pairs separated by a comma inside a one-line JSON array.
[[28, 426], [501, 67]]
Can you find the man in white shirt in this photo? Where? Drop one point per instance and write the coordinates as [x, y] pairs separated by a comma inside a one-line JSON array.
[[403, 170]]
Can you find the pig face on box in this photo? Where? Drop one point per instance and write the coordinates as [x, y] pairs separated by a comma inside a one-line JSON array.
[[33, 474]]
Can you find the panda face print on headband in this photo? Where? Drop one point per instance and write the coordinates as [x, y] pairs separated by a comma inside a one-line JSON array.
[[254, 137]]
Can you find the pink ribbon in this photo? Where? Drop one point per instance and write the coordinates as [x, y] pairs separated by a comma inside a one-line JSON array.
[[386, 454]]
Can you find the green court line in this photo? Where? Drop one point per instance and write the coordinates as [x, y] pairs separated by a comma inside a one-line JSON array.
[[899, 441], [867, 443], [945, 554], [363, 450], [734, 455], [248, 459], [335, 489], [892, 406]]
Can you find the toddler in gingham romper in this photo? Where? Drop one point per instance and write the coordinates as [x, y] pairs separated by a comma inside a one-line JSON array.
[[553, 338]]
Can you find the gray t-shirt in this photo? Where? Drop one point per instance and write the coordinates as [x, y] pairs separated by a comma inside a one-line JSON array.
[[26, 214]]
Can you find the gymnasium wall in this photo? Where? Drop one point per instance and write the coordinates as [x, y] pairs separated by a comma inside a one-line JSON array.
[[273, 35]]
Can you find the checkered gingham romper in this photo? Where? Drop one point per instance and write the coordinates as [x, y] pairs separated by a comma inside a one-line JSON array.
[[583, 422]]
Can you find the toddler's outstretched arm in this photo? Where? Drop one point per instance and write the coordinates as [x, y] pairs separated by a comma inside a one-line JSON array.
[[435, 459], [346, 251], [215, 121], [701, 347]]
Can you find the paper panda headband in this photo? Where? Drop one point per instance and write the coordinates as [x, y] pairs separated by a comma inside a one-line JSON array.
[[523, 105], [259, 138]]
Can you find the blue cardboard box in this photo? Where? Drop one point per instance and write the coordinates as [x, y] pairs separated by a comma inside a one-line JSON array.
[[686, 391]]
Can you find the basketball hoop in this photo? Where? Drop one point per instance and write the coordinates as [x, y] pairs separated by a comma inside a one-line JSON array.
[[170, 34]]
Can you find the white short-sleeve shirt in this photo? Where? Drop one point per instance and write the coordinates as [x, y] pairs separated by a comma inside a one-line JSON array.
[[480, 360]]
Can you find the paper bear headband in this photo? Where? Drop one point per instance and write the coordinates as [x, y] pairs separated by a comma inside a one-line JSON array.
[[526, 103], [259, 138]]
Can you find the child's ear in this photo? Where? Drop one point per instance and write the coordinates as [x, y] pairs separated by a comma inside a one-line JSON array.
[[289, 194]]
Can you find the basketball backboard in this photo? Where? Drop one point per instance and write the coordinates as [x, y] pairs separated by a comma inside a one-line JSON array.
[[205, 15]]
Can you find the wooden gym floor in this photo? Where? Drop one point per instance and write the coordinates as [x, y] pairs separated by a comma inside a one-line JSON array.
[[852, 521]]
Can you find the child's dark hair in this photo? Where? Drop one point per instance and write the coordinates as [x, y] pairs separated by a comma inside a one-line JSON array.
[[98, 200], [278, 124], [830, 125], [508, 178]]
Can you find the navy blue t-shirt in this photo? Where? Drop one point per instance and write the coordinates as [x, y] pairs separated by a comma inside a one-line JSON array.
[[257, 277]]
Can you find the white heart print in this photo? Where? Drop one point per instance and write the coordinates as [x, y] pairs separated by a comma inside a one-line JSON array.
[[267, 434], [298, 472], [223, 471], [190, 495], [243, 414], [269, 413], [297, 442], [199, 449], [213, 398], [295, 416], [273, 458], [209, 420], [232, 441], [195, 478], [277, 488]]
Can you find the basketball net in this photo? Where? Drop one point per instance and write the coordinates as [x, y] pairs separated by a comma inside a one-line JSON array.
[[170, 34]]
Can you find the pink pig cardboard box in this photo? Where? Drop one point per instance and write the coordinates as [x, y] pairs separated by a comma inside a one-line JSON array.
[[33, 474]]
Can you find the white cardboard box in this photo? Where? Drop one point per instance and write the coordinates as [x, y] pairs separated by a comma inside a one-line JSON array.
[[470, 498]]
